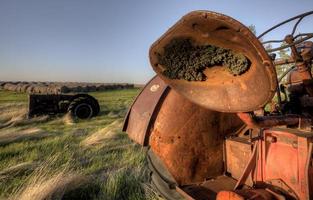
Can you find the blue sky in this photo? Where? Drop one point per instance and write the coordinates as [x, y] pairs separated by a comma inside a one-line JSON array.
[[108, 40]]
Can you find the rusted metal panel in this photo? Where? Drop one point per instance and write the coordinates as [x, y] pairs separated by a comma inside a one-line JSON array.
[[208, 189], [221, 90], [140, 114], [238, 153], [184, 194], [251, 194], [249, 168], [268, 121], [189, 139], [309, 169], [283, 163]]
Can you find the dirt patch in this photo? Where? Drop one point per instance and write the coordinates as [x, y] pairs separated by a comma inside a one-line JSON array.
[[184, 60]]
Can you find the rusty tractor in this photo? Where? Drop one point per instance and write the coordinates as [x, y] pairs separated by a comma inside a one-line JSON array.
[[217, 121], [82, 106]]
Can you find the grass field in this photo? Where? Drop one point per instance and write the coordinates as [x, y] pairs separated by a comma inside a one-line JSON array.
[[54, 158]]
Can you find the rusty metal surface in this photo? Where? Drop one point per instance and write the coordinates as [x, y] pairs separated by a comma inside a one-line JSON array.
[[183, 193], [139, 117], [282, 163], [229, 195], [210, 188], [268, 121], [309, 167], [221, 91], [238, 153], [249, 168], [284, 169], [189, 139], [251, 194], [186, 130]]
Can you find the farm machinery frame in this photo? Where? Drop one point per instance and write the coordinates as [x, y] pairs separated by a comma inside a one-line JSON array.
[[82, 106], [209, 118]]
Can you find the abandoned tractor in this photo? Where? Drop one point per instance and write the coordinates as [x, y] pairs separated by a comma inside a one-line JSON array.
[[82, 106], [216, 120]]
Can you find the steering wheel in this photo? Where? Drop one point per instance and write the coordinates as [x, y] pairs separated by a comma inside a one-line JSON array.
[[303, 36]]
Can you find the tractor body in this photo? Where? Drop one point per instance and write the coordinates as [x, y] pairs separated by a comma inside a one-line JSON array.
[[210, 121], [78, 105]]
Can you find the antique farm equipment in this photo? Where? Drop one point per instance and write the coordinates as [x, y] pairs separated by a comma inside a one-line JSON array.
[[214, 120], [82, 106]]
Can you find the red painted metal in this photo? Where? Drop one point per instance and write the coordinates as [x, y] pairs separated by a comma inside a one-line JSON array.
[[283, 162]]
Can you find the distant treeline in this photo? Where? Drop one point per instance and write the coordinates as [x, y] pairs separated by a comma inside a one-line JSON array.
[[62, 87]]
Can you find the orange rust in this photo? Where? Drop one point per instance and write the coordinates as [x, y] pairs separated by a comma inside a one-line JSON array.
[[212, 155], [229, 195], [139, 117], [189, 139], [221, 90]]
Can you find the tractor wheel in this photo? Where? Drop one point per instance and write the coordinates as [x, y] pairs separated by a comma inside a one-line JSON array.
[[82, 108], [160, 179], [95, 106]]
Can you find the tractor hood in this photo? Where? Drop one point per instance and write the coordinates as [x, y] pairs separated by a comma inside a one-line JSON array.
[[215, 62]]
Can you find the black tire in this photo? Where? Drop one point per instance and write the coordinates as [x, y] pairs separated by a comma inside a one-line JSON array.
[[81, 108], [95, 106], [92, 101], [160, 179]]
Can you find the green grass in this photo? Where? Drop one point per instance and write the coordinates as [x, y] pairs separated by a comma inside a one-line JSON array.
[[116, 165]]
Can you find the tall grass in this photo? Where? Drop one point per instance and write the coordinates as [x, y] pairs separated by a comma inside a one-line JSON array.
[[60, 155]]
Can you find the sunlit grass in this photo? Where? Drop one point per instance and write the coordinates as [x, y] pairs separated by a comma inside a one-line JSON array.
[[116, 164]]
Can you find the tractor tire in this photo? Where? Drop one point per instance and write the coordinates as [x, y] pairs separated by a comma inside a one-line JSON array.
[[83, 108], [95, 106], [160, 179]]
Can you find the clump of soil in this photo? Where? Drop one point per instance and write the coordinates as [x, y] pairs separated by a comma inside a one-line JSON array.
[[184, 60]]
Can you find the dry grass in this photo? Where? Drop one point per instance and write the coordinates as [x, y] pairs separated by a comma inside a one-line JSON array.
[[17, 170], [96, 160], [108, 132], [52, 188], [16, 115], [10, 114], [68, 119], [50, 183], [15, 135]]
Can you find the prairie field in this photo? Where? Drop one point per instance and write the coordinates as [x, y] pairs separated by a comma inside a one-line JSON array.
[[54, 157]]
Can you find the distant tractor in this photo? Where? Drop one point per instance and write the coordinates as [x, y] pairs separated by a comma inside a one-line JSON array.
[[82, 106]]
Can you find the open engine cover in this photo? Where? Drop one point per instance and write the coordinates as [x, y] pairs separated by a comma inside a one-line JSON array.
[[229, 87]]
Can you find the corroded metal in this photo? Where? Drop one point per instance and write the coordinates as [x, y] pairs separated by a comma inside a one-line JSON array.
[[140, 115], [284, 162], [243, 152], [189, 139], [221, 90], [268, 121]]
